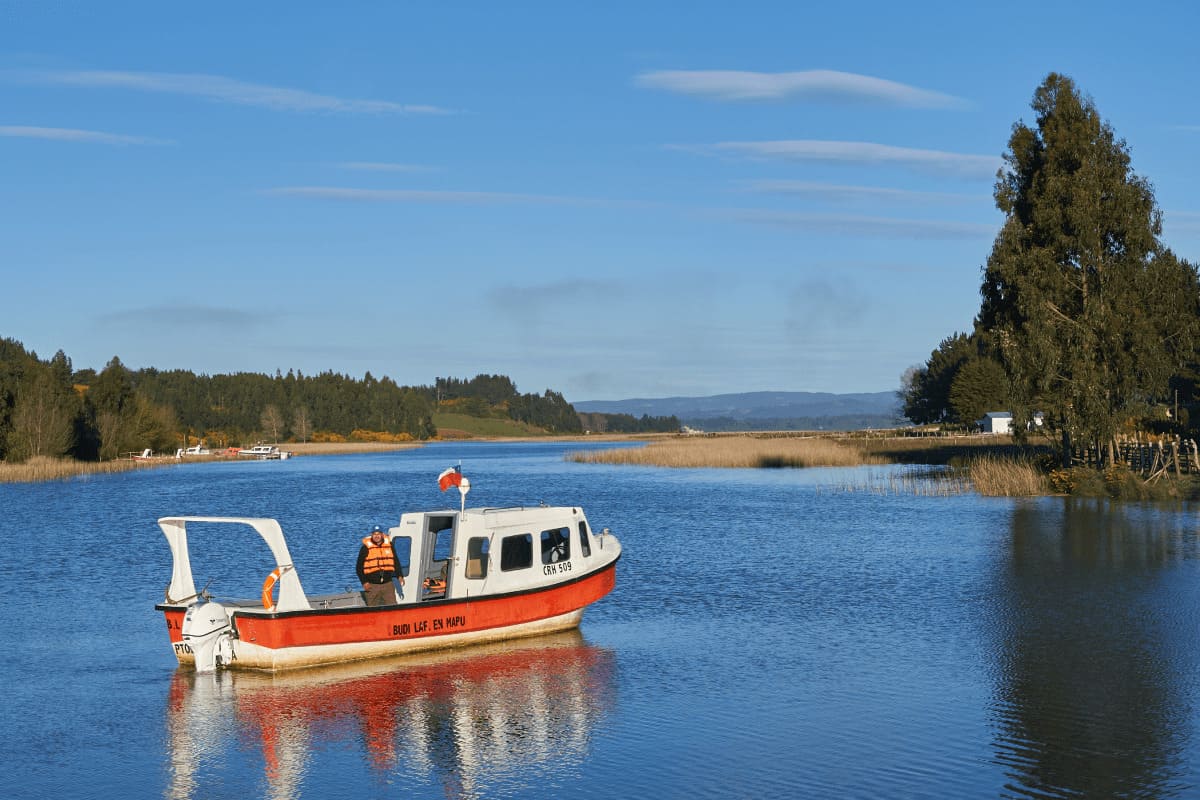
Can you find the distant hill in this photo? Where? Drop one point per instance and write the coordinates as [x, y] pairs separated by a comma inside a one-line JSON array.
[[764, 410]]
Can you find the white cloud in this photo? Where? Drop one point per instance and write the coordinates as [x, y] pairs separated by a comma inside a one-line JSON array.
[[847, 225], [817, 84], [866, 153], [842, 192], [220, 89], [74, 135], [412, 195]]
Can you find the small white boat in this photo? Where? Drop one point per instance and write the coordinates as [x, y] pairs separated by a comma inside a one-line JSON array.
[[194, 450], [264, 452], [471, 575]]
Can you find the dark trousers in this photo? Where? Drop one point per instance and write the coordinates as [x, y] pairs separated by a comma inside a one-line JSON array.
[[381, 594]]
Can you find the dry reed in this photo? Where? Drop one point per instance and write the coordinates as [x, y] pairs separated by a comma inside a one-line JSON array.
[[41, 468], [732, 451], [997, 476], [923, 482]]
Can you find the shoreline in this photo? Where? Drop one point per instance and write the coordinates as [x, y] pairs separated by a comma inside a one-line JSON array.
[[749, 449], [42, 469]]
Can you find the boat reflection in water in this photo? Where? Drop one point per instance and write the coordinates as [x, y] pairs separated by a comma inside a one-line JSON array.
[[458, 719]]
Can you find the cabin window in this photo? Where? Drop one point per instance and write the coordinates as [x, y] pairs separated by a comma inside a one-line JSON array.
[[516, 552], [477, 557], [585, 541], [403, 547], [556, 545]]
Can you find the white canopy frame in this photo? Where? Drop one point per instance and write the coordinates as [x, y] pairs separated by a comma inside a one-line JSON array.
[[183, 588]]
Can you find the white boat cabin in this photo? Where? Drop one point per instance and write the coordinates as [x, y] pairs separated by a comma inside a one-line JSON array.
[[443, 555], [456, 555]]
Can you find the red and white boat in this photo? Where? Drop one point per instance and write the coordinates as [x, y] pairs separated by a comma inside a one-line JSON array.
[[471, 575]]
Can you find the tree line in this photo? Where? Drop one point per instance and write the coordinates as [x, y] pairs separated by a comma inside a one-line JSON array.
[[1088, 324], [49, 409]]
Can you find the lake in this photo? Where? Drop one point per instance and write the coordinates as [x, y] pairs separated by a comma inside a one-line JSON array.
[[773, 633]]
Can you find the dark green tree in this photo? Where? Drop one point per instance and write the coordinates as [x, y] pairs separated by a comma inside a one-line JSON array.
[[979, 387], [1090, 312], [926, 394]]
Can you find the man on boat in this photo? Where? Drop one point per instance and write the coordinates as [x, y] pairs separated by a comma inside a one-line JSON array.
[[377, 567]]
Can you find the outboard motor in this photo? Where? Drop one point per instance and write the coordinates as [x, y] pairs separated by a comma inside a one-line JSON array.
[[207, 629]]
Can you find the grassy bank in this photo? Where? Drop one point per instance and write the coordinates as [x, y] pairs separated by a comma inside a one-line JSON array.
[[993, 466], [733, 451], [461, 426], [56, 469]]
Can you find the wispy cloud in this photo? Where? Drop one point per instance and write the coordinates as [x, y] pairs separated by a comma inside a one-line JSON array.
[[382, 166], [1182, 221], [822, 305], [183, 316], [844, 193], [413, 195], [525, 298], [849, 225], [219, 89], [817, 84], [860, 153], [75, 135]]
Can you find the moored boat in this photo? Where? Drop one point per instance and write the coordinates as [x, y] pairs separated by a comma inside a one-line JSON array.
[[471, 575], [263, 452]]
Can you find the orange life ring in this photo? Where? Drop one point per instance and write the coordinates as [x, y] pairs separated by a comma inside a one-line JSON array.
[[268, 585]]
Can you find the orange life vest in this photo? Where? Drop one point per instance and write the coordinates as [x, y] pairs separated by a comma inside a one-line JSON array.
[[380, 557]]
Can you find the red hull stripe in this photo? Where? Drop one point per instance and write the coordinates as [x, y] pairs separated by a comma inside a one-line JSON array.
[[419, 621]]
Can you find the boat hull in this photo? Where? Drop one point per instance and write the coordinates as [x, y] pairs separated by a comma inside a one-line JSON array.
[[276, 641]]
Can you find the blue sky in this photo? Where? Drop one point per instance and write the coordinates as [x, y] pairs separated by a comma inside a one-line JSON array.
[[610, 200]]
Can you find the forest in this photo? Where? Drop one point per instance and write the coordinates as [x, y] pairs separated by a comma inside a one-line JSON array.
[[49, 409]]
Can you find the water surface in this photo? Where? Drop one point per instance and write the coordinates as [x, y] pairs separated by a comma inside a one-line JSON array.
[[771, 634]]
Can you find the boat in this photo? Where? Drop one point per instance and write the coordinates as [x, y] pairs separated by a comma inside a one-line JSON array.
[[194, 450], [472, 575], [264, 452]]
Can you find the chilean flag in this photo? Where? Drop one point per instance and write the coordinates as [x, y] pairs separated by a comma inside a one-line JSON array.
[[451, 477]]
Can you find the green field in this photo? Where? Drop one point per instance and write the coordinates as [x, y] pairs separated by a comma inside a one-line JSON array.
[[449, 424]]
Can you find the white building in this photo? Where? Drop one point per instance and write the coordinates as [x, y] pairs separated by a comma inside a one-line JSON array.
[[996, 422]]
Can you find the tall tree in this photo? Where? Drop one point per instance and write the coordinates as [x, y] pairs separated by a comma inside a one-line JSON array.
[[43, 418], [272, 422], [300, 424], [1090, 312]]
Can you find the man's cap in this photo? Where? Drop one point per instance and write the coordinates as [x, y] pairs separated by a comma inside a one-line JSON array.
[[377, 529]]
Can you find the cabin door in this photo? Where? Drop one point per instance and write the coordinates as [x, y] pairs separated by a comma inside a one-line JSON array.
[[438, 555]]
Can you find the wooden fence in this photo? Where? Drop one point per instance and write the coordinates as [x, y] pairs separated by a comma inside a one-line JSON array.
[[1148, 459]]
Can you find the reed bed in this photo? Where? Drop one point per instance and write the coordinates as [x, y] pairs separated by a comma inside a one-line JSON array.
[[998, 476], [733, 451], [923, 482], [42, 468]]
